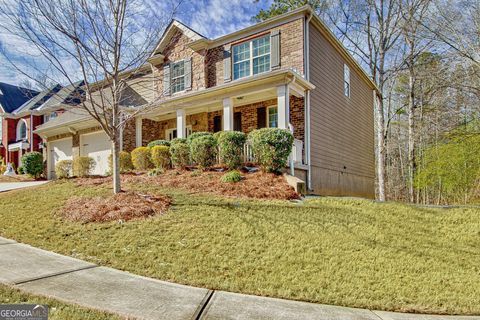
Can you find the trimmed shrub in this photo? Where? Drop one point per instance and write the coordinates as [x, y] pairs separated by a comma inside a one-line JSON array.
[[83, 166], [160, 156], [141, 158], [20, 170], [203, 150], [231, 177], [154, 143], [230, 145], [179, 153], [178, 140], [196, 135], [63, 169], [271, 147], [32, 164], [125, 162]]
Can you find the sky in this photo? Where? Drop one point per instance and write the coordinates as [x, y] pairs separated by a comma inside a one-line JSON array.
[[211, 18]]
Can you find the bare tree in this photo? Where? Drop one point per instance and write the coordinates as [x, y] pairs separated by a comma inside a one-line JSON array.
[[105, 44]]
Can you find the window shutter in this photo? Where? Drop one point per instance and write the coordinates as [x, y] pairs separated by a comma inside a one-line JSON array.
[[227, 63], [261, 117], [166, 80], [275, 49], [188, 73]]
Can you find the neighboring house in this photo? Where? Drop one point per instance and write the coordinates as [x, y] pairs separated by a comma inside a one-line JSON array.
[[288, 72], [23, 111]]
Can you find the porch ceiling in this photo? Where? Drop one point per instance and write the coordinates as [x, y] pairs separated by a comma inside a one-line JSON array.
[[244, 91]]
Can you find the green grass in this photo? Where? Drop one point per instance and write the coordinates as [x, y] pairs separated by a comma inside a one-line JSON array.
[[346, 252], [56, 310]]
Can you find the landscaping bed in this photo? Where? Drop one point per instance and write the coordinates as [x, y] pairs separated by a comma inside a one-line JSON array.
[[348, 252]]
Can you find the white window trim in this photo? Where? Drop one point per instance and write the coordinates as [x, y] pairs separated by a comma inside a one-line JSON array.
[[346, 81], [172, 78], [19, 124], [250, 58], [168, 131], [268, 116]]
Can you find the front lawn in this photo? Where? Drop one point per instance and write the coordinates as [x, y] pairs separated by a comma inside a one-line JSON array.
[[347, 252], [56, 310]]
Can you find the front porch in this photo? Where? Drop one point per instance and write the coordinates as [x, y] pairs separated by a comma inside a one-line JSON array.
[[272, 102]]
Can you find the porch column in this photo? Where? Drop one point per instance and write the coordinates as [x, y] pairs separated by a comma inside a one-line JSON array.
[[138, 132], [283, 105], [228, 114], [181, 124]]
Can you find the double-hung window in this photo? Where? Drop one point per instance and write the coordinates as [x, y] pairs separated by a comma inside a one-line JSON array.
[[252, 57], [178, 76], [346, 80], [272, 117]]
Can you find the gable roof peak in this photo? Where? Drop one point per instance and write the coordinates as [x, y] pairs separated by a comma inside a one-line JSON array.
[[170, 32]]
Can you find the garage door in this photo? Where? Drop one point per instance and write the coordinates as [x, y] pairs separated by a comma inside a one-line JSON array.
[[97, 146], [59, 150]]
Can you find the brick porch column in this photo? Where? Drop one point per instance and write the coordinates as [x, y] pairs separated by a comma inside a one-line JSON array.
[[138, 132], [283, 105], [228, 114], [181, 124]]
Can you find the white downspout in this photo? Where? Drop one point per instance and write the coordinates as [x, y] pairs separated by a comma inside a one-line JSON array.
[[307, 102]]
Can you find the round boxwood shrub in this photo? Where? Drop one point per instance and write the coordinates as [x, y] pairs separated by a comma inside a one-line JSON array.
[[125, 162], [230, 145], [32, 164], [231, 177], [160, 156], [203, 151], [63, 169], [271, 147], [179, 153], [141, 158], [154, 143], [196, 135], [83, 166]]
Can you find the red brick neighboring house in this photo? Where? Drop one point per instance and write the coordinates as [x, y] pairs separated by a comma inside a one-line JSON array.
[[22, 111]]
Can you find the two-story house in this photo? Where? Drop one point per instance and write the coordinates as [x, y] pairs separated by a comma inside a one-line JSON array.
[[288, 72], [24, 110]]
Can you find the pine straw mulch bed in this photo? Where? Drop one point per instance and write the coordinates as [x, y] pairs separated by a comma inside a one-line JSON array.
[[258, 185], [124, 206]]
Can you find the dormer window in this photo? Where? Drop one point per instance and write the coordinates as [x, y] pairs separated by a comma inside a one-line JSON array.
[[21, 130], [178, 76], [251, 58]]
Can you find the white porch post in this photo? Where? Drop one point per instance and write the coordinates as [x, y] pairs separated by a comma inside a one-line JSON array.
[[181, 124], [138, 132], [283, 105], [228, 114]]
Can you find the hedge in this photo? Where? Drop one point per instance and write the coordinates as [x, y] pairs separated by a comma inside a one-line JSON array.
[[196, 135], [203, 150], [271, 147], [231, 177], [154, 143], [141, 158], [83, 166], [160, 156], [32, 164], [179, 153], [230, 145], [126, 164], [63, 169]]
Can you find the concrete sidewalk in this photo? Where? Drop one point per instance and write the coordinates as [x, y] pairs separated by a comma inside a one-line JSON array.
[[7, 186], [71, 280]]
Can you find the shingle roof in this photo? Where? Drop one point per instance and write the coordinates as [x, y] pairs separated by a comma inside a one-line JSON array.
[[38, 100], [68, 95], [69, 116], [12, 97]]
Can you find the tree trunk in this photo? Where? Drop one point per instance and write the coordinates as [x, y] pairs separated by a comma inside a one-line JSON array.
[[411, 136], [117, 188], [380, 149]]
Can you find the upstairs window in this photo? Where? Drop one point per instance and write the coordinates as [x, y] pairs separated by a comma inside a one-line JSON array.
[[251, 58], [346, 80], [21, 130], [178, 76]]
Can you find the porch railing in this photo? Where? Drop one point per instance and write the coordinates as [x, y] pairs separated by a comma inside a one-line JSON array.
[[249, 156]]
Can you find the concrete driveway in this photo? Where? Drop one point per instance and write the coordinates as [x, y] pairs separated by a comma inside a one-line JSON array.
[[7, 186]]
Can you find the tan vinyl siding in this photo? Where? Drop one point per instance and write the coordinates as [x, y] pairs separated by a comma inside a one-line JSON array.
[[342, 128]]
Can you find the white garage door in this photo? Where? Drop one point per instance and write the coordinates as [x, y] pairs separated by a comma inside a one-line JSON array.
[[97, 146], [59, 150]]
